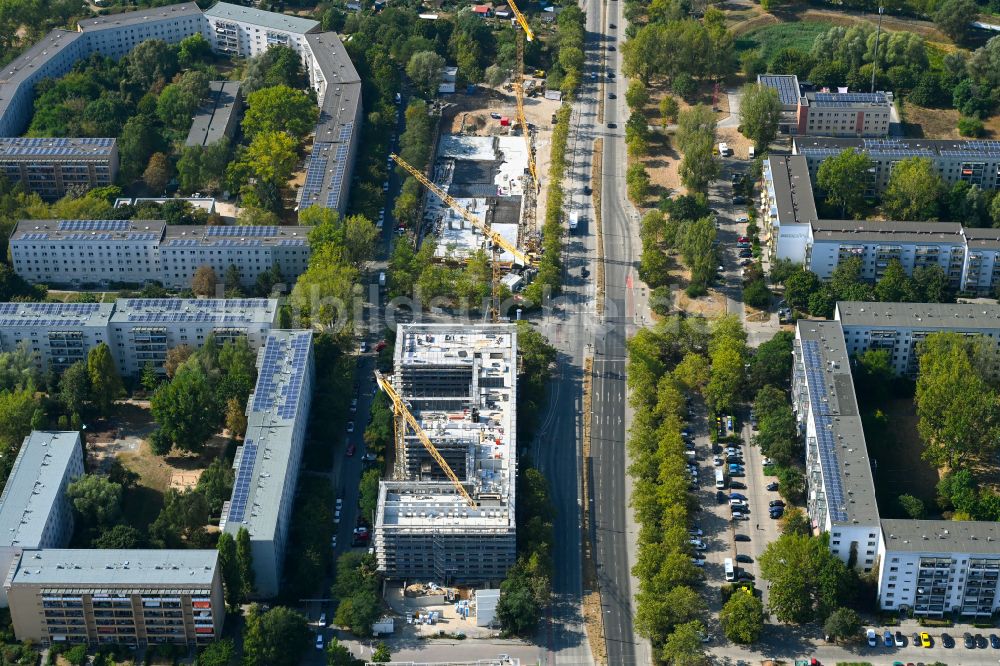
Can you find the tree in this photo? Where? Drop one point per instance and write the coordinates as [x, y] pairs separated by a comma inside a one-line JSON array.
[[175, 106], [637, 182], [895, 285], [843, 178], [843, 623], [637, 95], [150, 61], [232, 587], [684, 647], [381, 654], [760, 111], [807, 581], [271, 158], [176, 357], [157, 173], [772, 364], [914, 190], [217, 653], [186, 408], [337, 654], [956, 405], [236, 418], [698, 167], [517, 610], [799, 287], [244, 562], [277, 637], [105, 383], [279, 109], [795, 521], [931, 284], [913, 506], [74, 387], [193, 50], [203, 282], [955, 17], [122, 537], [742, 617], [426, 70], [96, 499], [668, 110]]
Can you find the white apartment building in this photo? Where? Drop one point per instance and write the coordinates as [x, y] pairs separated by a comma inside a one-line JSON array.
[[934, 567], [267, 464], [461, 385], [141, 330], [102, 252], [787, 208], [253, 250], [899, 327], [976, 161], [233, 29], [57, 334], [75, 252], [841, 490], [138, 331], [34, 509]]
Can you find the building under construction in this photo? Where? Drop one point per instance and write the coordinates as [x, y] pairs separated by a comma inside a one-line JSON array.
[[460, 385]]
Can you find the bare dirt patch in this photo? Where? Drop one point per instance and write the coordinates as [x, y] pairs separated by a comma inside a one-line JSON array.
[[923, 123]]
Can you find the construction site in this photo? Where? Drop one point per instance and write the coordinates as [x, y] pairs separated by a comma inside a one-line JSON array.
[[446, 513]]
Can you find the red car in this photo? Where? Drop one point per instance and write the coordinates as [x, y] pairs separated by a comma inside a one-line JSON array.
[[742, 239], [380, 346], [350, 449]]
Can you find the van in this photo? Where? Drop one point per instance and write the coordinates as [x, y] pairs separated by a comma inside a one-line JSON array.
[[751, 153], [723, 149], [574, 221], [730, 569], [720, 479], [381, 280]]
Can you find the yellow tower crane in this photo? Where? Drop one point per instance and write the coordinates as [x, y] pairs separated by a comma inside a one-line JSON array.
[[519, 89], [496, 241], [402, 410]]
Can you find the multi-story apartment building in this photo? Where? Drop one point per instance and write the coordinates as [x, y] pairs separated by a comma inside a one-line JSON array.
[[57, 334], [937, 567], [219, 117], [973, 161], [253, 250], [925, 567], [232, 29], [127, 597], [841, 498], [141, 330], [267, 464], [100, 252], [877, 242], [53, 167], [34, 509], [844, 114], [461, 385], [75, 252], [138, 331], [787, 208], [899, 327]]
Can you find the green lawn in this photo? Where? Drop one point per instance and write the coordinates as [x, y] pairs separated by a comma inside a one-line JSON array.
[[773, 38]]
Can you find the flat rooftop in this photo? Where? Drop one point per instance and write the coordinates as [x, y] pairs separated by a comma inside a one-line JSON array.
[[982, 239], [141, 15], [89, 568], [843, 453], [74, 148], [977, 537], [219, 235], [924, 316], [89, 230], [262, 462], [786, 85], [846, 100], [848, 231], [55, 315], [213, 119], [224, 311], [793, 194], [487, 424], [34, 486], [973, 149], [272, 20]]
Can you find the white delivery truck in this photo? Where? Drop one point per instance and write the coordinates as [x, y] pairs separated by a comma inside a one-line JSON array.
[[574, 221], [723, 149], [720, 479]]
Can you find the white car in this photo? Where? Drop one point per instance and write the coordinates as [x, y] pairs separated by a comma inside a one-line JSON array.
[[333, 542], [872, 638], [354, 405], [742, 218], [336, 517], [698, 563], [717, 461], [350, 426], [695, 532], [737, 502], [698, 544], [363, 346], [340, 503], [322, 619]]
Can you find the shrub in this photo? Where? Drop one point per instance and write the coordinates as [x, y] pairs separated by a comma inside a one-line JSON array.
[[971, 127]]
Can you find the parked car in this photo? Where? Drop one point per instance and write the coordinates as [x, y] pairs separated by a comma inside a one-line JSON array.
[[742, 537], [772, 486], [697, 563], [319, 641], [738, 485], [350, 426], [744, 558], [721, 497], [354, 405], [776, 512], [887, 638], [926, 641], [350, 449], [872, 638], [947, 641], [717, 461], [737, 496], [916, 639], [980, 641], [745, 254], [744, 263], [739, 199], [995, 641], [969, 641], [774, 503], [695, 532], [899, 639]]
